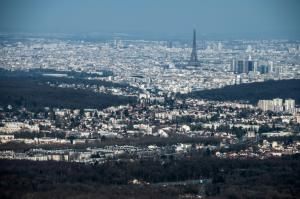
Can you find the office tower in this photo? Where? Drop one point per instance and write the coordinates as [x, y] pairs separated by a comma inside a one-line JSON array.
[[249, 65], [271, 68], [255, 66], [245, 67], [289, 105], [233, 65], [194, 60], [240, 66]]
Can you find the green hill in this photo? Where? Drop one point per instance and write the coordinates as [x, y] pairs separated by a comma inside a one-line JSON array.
[[253, 92], [33, 93]]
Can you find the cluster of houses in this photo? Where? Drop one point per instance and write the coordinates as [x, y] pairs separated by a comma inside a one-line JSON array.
[[230, 121]]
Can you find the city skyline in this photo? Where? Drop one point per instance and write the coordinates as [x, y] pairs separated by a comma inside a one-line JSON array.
[[149, 99]]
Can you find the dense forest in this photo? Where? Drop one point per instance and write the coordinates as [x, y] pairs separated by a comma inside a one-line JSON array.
[[40, 72], [253, 92], [272, 178], [71, 77], [33, 93]]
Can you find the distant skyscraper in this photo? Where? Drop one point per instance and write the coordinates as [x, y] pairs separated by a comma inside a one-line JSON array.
[[244, 66], [240, 66], [249, 66], [194, 60]]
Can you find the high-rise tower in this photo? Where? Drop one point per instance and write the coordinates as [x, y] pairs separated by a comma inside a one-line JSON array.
[[194, 60]]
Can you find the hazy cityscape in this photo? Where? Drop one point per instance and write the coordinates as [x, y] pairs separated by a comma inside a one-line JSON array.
[[122, 115]]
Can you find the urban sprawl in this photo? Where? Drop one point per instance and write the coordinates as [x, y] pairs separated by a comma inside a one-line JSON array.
[[158, 71]]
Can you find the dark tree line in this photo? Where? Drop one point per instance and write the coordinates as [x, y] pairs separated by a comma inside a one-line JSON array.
[[32, 93], [253, 92], [272, 178]]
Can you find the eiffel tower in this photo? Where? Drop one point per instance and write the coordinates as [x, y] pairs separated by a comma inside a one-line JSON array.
[[194, 60]]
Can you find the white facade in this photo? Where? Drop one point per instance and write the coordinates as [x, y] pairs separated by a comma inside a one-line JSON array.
[[289, 105], [277, 105]]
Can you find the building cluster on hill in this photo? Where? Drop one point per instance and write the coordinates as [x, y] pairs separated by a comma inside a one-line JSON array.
[[226, 123], [278, 105]]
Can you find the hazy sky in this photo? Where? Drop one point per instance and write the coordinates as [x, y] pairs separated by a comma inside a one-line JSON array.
[[221, 18]]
